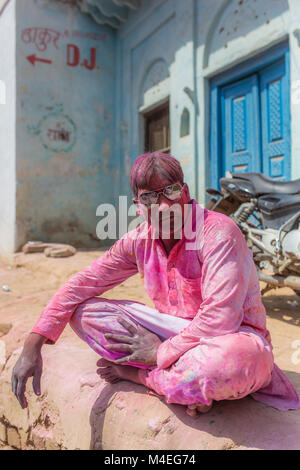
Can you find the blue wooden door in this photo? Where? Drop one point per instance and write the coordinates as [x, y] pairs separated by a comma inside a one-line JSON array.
[[275, 110], [241, 126], [255, 129]]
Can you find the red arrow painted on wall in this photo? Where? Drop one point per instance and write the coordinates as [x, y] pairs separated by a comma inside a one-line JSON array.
[[33, 59]]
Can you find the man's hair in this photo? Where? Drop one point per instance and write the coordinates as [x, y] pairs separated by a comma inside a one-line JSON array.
[[151, 164]]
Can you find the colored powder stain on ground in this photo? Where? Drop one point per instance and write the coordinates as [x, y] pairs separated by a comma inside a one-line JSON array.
[[212, 421]]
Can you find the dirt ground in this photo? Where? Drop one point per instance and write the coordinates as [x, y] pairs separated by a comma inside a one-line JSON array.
[[34, 278]]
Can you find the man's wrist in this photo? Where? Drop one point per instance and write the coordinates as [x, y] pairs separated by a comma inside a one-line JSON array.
[[34, 342], [155, 354]]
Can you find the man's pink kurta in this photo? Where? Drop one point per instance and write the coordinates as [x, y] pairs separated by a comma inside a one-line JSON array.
[[213, 282]]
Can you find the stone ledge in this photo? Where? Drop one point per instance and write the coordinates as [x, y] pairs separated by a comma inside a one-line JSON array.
[[77, 410]]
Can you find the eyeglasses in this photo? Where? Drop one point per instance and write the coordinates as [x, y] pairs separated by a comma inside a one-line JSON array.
[[172, 192]]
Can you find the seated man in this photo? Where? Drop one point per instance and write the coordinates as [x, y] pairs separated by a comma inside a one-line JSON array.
[[206, 339]]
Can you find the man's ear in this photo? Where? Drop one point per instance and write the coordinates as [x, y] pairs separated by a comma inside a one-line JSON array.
[[137, 203], [186, 191]]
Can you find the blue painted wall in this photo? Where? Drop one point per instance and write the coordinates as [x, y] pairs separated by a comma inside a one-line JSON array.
[[156, 63], [65, 122], [187, 44], [78, 131]]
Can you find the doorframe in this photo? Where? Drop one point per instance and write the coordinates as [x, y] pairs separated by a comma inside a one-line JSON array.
[[164, 105], [142, 111], [237, 72]]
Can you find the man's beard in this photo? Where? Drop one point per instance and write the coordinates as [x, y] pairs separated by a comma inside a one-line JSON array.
[[168, 223]]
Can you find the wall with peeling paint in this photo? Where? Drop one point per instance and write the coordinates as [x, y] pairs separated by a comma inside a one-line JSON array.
[[7, 129], [178, 47], [65, 122], [156, 63], [79, 128]]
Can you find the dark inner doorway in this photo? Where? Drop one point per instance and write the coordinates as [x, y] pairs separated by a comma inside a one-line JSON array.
[[157, 129]]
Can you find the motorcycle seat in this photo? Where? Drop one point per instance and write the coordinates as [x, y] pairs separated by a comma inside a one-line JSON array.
[[264, 185]]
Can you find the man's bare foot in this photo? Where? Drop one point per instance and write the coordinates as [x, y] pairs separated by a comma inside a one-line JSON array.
[[199, 408], [113, 373]]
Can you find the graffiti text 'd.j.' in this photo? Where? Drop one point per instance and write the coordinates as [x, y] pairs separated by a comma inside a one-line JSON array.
[[73, 57]]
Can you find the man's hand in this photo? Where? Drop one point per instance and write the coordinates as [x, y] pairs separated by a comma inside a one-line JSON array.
[[29, 364], [142, 344]]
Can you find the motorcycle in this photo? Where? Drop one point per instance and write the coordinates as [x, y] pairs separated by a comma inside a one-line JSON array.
[[268, 213]]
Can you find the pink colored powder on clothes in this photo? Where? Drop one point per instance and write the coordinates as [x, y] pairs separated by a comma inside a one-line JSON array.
[[220, 348]]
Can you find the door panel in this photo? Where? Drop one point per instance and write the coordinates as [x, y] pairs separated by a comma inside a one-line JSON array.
[[275, 107], [241, 126], [250, 118]]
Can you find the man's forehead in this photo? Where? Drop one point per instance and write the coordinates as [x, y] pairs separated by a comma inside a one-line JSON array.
[[155, 187], [156, 182]]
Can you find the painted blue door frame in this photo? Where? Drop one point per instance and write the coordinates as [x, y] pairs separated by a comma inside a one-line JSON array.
[[275, 107], [250, 117], [240, 125]]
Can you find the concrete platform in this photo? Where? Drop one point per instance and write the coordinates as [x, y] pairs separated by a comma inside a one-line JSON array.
[[77, 410]]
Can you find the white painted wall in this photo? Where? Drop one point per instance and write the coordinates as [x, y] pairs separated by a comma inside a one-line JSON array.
[[7, 131], [294, 30]]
